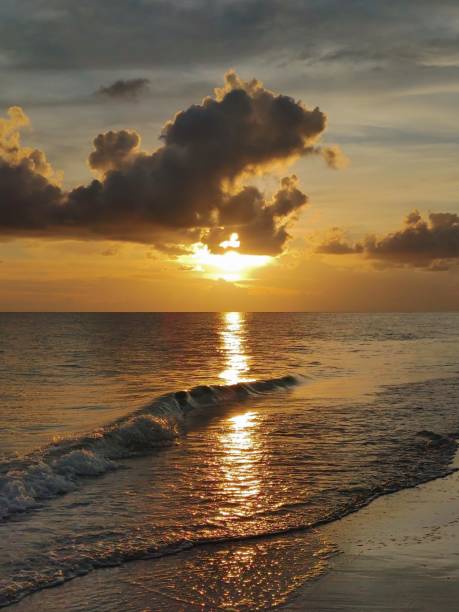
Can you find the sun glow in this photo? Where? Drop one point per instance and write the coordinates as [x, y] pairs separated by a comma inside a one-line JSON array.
[[230, 266], [233, 242]]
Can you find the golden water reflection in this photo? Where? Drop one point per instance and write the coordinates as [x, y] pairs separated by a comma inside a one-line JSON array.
[[239, 441], [233, 348], [240, 464]]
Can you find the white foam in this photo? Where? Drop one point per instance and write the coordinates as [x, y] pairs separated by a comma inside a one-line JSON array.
[[60, 467]]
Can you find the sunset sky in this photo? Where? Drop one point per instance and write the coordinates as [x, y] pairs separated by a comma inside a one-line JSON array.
[[229, 155]]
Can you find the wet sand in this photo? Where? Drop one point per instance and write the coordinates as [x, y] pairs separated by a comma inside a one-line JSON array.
[[399, 553]]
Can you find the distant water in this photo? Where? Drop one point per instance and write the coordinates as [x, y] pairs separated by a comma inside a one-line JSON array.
[[131, 436]]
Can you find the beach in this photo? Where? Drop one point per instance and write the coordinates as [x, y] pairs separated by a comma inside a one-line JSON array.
[[399, 553], [229, 306]]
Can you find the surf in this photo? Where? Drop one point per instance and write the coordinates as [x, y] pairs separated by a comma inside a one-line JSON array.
[[61, 467]]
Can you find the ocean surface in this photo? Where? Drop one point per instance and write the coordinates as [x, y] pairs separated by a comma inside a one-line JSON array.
[[212, 445]]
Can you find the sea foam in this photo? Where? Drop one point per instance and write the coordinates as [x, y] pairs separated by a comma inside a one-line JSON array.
[[61, 467]]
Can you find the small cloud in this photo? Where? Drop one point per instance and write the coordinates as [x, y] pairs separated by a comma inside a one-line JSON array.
[[430, 244], [109, 252], [334, 157], [337, 243], [129, 89]]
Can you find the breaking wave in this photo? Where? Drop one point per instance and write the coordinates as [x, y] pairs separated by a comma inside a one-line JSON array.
[[71, 563], [60, 467]]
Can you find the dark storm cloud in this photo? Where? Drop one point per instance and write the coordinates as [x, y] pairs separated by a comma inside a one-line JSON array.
[[130, 89], [158, 33], [431, 244], [188, 188]]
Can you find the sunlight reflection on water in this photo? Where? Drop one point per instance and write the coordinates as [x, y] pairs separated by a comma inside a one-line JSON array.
[[264, 466], [233, 348], [239, 440], [240, 463]]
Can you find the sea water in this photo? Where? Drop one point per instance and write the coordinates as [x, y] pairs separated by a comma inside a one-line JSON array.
[[214, 445]]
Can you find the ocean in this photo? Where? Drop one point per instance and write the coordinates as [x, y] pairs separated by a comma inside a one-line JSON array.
[[196, 455]]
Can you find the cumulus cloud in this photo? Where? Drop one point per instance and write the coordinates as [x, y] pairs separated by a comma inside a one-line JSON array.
[[13, 153], [113, 150], [189, 188], [260, 224], [130, 89], [432, 244]]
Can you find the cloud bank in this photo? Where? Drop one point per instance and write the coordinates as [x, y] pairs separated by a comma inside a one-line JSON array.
[[190, 188], [431, 244], [159, 33]]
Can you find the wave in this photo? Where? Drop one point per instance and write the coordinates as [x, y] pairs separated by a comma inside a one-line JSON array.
[[440, 448], [60, 467]]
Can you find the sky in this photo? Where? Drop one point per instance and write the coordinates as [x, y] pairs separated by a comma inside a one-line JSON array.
[[256, 155]]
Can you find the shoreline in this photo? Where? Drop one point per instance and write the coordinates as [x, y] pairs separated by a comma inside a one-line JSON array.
[[398, 553]]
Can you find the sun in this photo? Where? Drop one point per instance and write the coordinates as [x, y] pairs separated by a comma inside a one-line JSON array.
[[230, 266]]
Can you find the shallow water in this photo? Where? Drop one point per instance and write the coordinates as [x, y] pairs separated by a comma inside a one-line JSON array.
[[98, 471]]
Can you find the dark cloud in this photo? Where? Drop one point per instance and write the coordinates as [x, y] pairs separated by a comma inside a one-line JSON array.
[[428, 244], [431, 244], [112, 150], [130, 89], [189, 188], [261, 225]]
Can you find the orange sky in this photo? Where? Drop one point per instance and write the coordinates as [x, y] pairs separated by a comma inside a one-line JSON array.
[[391, 109]]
